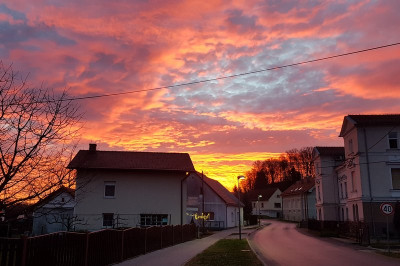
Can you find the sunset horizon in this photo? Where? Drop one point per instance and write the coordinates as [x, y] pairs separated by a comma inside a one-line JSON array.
[[229, 83]]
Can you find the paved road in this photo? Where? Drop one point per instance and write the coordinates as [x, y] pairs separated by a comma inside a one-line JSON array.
[[282, 244]]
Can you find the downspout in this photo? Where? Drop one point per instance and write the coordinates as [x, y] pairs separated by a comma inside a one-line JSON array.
[[182, 180], [369, 181]]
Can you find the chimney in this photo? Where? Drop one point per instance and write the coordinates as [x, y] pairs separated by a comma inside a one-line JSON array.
[[92, 146]]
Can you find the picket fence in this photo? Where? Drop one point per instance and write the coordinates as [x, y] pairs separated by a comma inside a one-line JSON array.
[[95, 248]]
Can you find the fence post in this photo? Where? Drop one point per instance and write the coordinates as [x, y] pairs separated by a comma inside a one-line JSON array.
[[173, 235], [145, 240], [87, 249], [161, 231], [122, 245], [24, 240]]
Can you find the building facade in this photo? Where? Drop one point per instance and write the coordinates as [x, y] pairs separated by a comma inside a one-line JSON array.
[[370, 175], [299, 201], [326, 160], [211, 202], [130, 189]]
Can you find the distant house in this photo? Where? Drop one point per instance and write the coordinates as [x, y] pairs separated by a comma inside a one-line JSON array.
[[125, 189], [206, 197], [54, 213], [299, 201], [326, 160], [269, 204]]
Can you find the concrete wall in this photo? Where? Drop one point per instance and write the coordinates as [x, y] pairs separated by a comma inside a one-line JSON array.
[[136, 192]]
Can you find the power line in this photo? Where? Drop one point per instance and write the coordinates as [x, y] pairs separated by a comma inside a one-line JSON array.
[[224, 77]]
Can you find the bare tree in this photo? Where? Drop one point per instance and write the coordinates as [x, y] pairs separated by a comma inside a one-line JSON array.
[[37, 128]]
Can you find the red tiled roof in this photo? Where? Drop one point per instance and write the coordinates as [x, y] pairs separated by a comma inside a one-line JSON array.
[[128, 160], [299, 187], [221, 191]]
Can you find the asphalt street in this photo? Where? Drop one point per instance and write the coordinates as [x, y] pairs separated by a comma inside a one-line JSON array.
[[281, 243]]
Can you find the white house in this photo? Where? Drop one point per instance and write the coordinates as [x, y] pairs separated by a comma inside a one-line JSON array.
[[54, 213], [370, 175], [125, 189], [326, 159], [299, 201], [266, 202], [207, 198]]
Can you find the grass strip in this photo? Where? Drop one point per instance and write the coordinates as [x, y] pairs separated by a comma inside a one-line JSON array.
[[226, 252]]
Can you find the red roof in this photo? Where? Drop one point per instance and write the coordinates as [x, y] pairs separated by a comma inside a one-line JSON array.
[[220, 190], [300, 187], [129, 160]]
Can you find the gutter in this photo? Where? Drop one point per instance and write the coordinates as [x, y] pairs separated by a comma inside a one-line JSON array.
[[182, 180]]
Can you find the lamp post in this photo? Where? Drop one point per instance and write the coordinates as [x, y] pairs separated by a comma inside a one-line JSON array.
[[240, 226], [258, 203]]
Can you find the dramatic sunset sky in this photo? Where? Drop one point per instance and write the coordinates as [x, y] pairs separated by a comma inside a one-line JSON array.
[[100, 47]]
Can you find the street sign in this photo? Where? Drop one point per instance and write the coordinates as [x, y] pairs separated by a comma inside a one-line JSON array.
[[387, 208]]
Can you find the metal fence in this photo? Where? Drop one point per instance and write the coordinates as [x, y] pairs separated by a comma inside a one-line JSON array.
[[356, 230], [96, 248]]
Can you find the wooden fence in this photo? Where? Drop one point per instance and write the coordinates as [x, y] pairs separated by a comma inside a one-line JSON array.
[[96, 248]]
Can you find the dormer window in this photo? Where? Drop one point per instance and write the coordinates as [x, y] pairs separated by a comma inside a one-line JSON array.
[[393, 140]]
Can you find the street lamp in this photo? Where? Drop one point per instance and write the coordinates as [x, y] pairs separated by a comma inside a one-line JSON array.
[[240, 226], [258, 203]]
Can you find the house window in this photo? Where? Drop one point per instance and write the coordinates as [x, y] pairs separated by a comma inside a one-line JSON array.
[[395, 178], [153, 219], [109, 189], [262, 204], [211, 217], [341, 190], [254, 204], [345, 190], [351, 146], [278, 196], [353, 182], [319, 193], [277, 205], [108, 219], [393, 140]]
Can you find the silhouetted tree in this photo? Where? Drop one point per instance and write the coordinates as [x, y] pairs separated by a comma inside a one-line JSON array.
[[37, 126]]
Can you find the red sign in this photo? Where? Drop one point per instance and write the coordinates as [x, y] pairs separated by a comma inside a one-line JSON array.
[[387, 208]]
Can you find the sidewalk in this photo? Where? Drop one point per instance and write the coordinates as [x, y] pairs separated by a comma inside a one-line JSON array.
[[180, 254]]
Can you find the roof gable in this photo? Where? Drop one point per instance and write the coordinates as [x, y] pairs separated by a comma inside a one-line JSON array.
[[266, 193], [219, 189], [369, 120], [128, 160]]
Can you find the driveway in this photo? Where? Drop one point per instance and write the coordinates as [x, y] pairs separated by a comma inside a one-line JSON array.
[[281, 243]]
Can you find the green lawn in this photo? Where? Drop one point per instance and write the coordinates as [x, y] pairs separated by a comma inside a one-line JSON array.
[[226, 252]]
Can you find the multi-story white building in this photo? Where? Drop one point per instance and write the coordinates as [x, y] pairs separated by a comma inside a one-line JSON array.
[[326, 159], [370, 175]]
